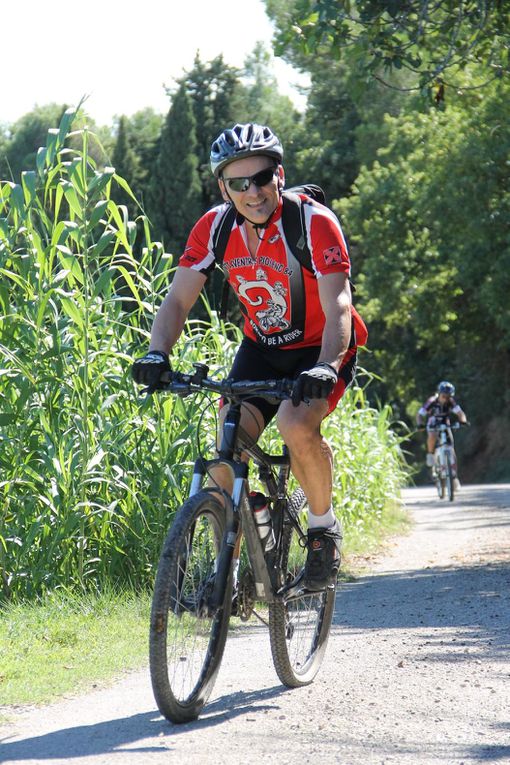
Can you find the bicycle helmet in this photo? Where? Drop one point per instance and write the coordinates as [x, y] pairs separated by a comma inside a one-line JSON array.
[[446, 387], [244, 141]]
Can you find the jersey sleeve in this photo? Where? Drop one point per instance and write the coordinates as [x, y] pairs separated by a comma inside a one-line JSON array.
[[326, 241], [199, 252]]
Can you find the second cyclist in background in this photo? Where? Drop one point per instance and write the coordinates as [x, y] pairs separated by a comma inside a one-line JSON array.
[[436, 410]]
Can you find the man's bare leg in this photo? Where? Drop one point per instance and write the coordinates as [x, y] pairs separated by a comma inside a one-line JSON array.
[[221, 476], [311, 455]]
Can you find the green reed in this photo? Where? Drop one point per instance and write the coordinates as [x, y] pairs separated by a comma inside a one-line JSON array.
[[90, 471]]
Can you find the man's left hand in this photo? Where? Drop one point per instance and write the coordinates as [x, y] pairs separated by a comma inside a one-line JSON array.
[[317, 382]]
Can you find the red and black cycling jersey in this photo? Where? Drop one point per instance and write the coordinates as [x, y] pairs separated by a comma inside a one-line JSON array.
[[278, 297], [433, 408]]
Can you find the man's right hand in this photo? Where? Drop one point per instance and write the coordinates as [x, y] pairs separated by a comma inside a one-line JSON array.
[[148, 369]]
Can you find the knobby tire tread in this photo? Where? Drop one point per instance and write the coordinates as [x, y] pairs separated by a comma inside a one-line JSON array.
[[170, 707]]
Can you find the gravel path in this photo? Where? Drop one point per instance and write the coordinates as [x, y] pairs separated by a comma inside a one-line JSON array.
[[417, 670]]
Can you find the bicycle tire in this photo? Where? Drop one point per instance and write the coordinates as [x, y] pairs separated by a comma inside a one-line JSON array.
[[440, 486], [186, 642], [449, 479], [299, 629]]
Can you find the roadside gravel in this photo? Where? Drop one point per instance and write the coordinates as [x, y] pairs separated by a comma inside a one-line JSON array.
[[417, 669]]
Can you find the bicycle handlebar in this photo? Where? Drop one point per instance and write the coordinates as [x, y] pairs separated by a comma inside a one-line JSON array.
[[442, 425], [184, 384]]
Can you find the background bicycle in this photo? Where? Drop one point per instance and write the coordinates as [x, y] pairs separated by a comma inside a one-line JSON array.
[[199, 583], [444, 470]]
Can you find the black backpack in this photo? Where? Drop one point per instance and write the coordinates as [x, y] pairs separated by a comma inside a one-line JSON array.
[[293, 222]]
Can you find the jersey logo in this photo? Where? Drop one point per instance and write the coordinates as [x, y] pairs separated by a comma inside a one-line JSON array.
[[272, 316], [274, 238], [332, 255]]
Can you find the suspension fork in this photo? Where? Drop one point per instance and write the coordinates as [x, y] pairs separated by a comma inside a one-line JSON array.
[[230, 538]]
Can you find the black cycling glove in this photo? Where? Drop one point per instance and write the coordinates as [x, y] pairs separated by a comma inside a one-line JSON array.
[[317, 382], [148, 369]]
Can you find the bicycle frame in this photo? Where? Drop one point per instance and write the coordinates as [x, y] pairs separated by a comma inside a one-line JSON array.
[[234, 442], [443, 447]]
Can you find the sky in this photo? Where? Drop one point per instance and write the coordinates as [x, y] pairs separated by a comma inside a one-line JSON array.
[[121, 53]]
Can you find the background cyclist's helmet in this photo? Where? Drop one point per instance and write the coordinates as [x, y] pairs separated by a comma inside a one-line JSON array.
[[244, 141], [446, 387]]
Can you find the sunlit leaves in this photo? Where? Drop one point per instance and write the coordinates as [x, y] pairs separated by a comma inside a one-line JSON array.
[[430, 40]]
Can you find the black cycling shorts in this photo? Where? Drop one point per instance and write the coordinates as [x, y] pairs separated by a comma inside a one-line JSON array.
[[253, 362]]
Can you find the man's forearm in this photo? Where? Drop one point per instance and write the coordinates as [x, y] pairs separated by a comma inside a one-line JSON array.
[[168, 325], [336, 336]]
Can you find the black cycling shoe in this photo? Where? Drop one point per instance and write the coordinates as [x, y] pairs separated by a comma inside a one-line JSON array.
[[323, 560]]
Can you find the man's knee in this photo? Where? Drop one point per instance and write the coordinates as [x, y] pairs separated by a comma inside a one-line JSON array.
[[299, 426]]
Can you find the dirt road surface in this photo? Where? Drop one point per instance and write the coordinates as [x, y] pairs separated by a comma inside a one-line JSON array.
[[417, 670]]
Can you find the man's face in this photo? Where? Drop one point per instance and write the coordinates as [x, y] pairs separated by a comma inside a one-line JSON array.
[[257, 202], [444, 398]]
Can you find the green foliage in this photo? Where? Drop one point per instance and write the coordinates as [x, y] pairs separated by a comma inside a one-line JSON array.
[[86, 476], [176, 188], [427, 220], [126, 164], [212, 88], [429, 41]]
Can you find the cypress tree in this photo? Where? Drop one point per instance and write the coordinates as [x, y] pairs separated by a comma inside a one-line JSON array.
[[176, 188], [125, 163]]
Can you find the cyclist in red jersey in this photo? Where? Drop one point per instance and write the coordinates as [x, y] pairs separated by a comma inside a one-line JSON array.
[[298, 323]]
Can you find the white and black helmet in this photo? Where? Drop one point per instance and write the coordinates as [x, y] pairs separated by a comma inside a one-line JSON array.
[[244, 141], [446, 387]]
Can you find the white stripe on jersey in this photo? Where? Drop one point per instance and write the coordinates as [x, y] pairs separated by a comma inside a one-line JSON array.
[[208, 260]]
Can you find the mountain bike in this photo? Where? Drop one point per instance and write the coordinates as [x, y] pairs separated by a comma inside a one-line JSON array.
[[444, 460], [196, 586]]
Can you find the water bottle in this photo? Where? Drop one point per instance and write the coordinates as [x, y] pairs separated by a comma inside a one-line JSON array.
[[262, 518]]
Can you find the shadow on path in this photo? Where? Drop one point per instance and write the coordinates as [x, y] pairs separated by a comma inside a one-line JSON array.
[[122, 734]]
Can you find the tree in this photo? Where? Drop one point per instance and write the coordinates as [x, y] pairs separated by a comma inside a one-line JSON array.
[[176, 188], [125, 162], [144, 130], [429, 221], [212, 88], [435, 42], [27, 135]]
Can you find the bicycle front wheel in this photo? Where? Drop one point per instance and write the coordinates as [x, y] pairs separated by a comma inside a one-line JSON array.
[[450, 486], [187, 639], [299, 627], [440, 484]]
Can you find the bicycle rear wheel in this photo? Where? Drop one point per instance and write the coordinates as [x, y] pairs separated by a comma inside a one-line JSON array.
[[187, 640], [299, 627]]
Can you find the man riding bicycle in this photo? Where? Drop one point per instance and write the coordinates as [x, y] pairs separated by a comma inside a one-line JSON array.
[[436, 410], [298, 323]]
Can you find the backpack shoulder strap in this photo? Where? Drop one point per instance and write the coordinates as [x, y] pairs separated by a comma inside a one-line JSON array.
[[222, 234], [293, 221], [219, 245]]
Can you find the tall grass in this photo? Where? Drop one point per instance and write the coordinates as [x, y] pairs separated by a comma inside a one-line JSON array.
[[89, 472]]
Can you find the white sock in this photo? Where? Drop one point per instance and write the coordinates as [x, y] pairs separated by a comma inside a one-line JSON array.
[[325, 521]]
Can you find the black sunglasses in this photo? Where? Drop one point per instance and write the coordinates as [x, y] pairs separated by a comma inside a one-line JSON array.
[[243, 183]]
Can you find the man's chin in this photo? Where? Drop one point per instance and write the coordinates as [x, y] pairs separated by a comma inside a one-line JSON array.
[[258, 216]]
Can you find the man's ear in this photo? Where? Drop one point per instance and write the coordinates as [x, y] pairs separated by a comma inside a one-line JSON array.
[[223, 190]]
